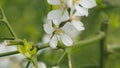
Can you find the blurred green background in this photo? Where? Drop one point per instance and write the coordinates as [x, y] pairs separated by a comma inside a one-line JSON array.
[[27, 17]]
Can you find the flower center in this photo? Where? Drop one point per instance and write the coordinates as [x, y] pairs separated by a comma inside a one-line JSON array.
[[73, 18], [58, 30]]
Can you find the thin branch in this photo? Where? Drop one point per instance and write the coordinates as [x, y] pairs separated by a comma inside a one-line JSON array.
[[16, 52], [34, 61], [103, 46], [7, 24], [13, 42], [3, 38], [87, 41], [68, 50], [61, 57], [8, 53], [42, 47], [69, 60], [27, 66], [78, 44]]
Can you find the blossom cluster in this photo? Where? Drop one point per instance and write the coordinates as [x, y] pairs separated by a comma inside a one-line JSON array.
[[64, 21]]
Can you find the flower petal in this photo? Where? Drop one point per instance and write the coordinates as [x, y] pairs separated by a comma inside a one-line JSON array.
[[66, 39], [81, 11], [69, 29], [88, 3], [58, 16], [48, 28], [65, 16], [46, 38], [78, 25], [56, 22], [55, 14], [70, 3], [53, 41], [54, 2]]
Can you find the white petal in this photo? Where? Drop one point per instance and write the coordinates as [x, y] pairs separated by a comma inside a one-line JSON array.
[[78, 25], [48, 28], [72, 9], [53, 41], [56, 22], [54, 2], [55, 15], [88, 3], [65, 16], [80, 11], [69, 29], [66, 39], [70, 3], [58, 16], [46, 38]]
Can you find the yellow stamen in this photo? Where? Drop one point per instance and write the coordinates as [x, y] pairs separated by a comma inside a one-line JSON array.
[[73, 18], [58, 30]]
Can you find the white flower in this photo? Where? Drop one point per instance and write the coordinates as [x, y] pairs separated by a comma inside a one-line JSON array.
[[61, 3], [74, 21], [81, 6], [70, 30], [57, 34], [54, 2], [73, 25], [58, 15]]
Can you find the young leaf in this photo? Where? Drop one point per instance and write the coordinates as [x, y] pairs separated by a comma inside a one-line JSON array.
[[21, 49]]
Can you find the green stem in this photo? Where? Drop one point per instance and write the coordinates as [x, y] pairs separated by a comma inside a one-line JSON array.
[[13, 42], [78, 44], [8, 53], [69, 57], [12, 38], [7, 24], [61, 57], [87, 41], [27, 66], [16, 52], [103, 46], [42, 47], [35, 63], [69, 61]]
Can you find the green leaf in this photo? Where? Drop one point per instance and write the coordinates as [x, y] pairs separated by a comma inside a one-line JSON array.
[[33, 52], [21, 49], [25, 43], [28, 47], [27, 55]]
